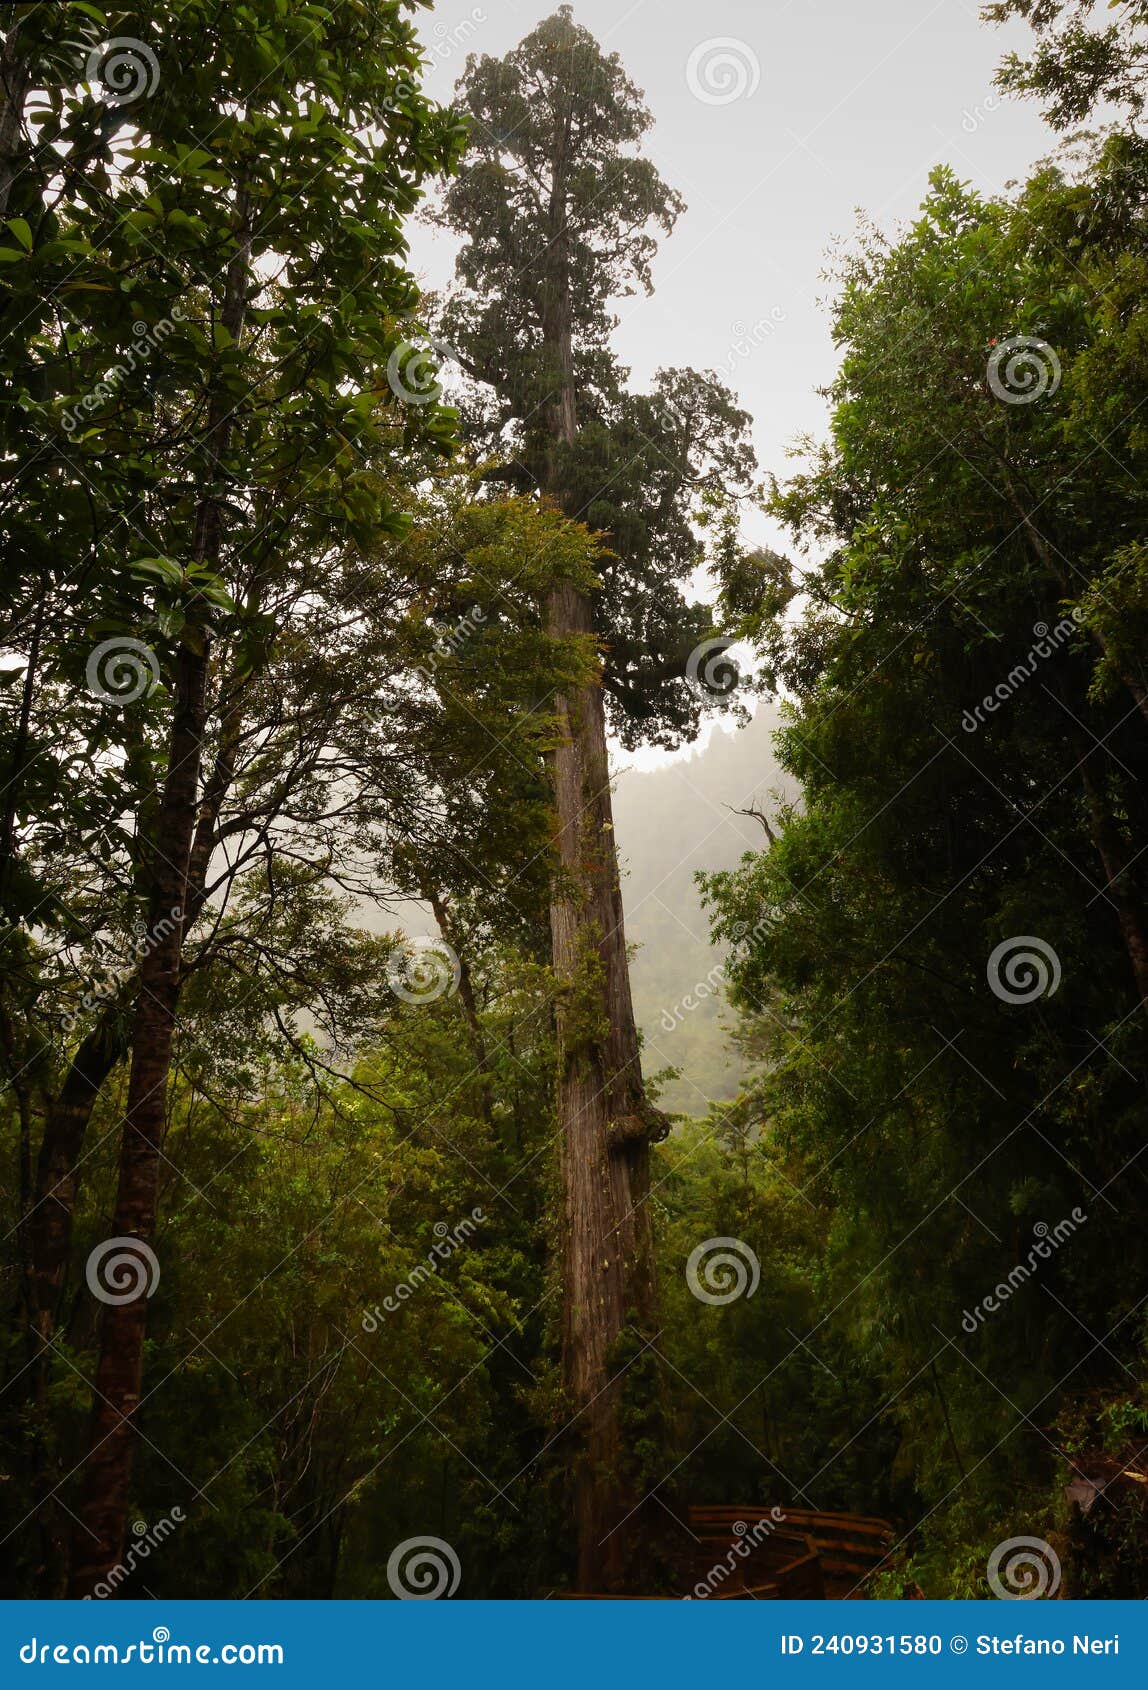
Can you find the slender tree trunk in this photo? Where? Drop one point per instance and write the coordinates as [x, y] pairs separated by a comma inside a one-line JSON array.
[[605, 1122], [50, 1212], [54, 1191], [49, 1228], [48, 1224], [47, 1182], [49, 1527], [17, 768], [54, 1187], [47, 1198], [105, 1493], [943, 1400]]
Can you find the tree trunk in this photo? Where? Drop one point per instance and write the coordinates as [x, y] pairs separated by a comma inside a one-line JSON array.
[[50, 1220], [606, 1126], [47, 1191], [15, 79], [55, 1185], [605, 1122], [105, 1493]]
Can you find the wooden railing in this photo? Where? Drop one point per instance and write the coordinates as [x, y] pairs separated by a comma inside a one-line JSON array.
[[846, 1549]]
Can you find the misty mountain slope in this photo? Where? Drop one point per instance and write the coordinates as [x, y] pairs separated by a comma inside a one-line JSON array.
[[670, 823]]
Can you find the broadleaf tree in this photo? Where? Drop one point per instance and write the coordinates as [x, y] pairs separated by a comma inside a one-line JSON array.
[[234, 187]]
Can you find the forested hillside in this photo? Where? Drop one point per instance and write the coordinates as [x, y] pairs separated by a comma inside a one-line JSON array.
[[732, 1182], [674, 822]]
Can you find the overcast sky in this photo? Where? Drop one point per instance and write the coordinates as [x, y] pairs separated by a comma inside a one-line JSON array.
[[800, 113]]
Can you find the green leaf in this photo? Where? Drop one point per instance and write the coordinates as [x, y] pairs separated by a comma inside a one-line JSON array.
[[157, 569]]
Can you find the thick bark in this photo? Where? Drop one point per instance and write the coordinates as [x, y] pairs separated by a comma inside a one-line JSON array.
[[605, 1122], [105, 1493], [606, 1126]]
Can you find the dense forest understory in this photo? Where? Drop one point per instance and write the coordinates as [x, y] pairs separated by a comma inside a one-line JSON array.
[[341, 1261]]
